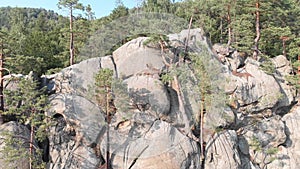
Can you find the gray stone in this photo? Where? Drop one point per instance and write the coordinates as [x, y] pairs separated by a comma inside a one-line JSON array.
[[255, 92], [149, 94], [153, 131], [159, 146], [264, 138], [288, 155], [22, 135], [284, 70], [222, 151], [79, 126], [132, 58]]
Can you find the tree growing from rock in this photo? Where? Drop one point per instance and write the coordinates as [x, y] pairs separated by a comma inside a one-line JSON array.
[[104, 98], [27, 105]]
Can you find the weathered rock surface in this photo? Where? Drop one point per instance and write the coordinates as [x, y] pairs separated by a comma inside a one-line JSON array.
[[288, 155], [78, 126], [148, 121], [222, 151], [149, 94], [78, 78], [133, 57], [245, 129], [20, 146], [159, 145]]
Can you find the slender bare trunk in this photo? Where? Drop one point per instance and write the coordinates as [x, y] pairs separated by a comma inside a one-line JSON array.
[[71, 37], [1, 83], [284, 48], [298, 66], [181, 102], [31, 147], [284, 39], [187, 39], [257, 27], [201, 140], [107, 131], [229, 25]]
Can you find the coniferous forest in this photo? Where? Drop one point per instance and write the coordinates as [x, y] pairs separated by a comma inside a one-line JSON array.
[[42, 37]]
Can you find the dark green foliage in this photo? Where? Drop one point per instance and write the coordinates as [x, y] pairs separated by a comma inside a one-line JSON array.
[[278, 18], [105, 100], [43, 35], [11, 17], [36, 34], [74, 4], [16, 150], [103, 84], [119, 11], [160, 6], [27, 104], [110, 93], [121, 96], [25, 64], [268, 66], [157, 41]]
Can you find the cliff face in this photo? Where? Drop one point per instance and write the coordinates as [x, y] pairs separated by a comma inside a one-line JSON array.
[[250, 122], [254, 129]]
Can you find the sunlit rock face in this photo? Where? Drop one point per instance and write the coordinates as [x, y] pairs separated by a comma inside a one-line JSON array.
[[156, 122]]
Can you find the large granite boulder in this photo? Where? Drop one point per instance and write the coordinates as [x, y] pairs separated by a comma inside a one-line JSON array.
[[77, 78], [154, 145], [79, 125], [133, 57]]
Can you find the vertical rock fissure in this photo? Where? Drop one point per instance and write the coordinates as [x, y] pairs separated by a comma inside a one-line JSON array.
[[115, 65], [138, 156]]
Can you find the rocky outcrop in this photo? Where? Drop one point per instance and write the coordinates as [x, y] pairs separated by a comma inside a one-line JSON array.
[[156, 145], [248, 126], [287, 155], [79, 126], [253, 92], [143, 136]]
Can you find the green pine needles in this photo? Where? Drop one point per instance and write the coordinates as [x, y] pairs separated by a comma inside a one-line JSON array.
[[26, 104]]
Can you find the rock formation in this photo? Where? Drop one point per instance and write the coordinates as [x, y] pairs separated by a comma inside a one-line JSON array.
[[253, 126]]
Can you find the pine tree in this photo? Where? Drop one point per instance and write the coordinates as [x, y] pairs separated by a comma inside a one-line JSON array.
[[27, 104], [89, 13], [71, 5], [160, 6], [104, 97], [1, 76]]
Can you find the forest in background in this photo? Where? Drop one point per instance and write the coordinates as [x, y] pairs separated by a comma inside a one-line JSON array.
[[41, 38]]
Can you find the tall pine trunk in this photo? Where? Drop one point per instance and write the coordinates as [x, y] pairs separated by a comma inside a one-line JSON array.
[[1, 83], [71, 37], [257, 28], [107, 126], [298, 66], [31, 146], [201, 140], [229, 25]]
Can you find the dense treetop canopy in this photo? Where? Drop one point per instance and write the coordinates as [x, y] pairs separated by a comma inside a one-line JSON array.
[[42, 37]]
